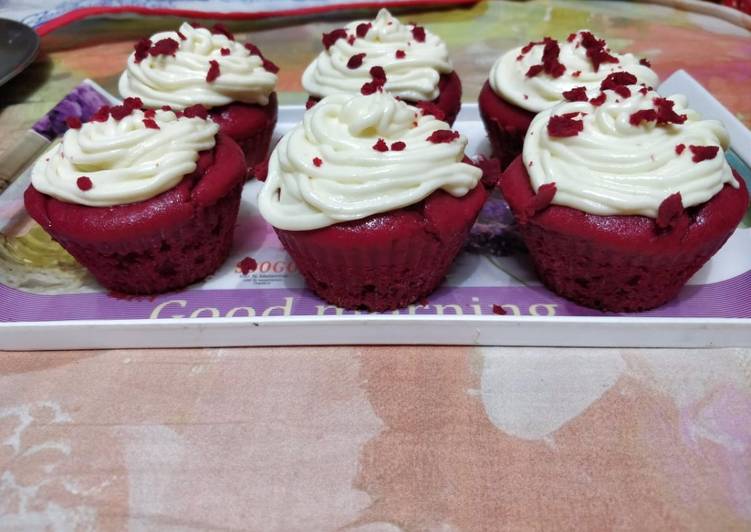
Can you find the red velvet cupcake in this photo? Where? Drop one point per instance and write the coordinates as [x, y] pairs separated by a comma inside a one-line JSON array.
[[408, 61], [207, 67], [146, 201], [621, 199], [373, 199], [537, 76]]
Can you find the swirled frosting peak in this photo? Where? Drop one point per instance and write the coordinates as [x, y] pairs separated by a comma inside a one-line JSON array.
[[121, 158], [535, 76], [625, 152], [355, 156], [196, 65], [412, 58]]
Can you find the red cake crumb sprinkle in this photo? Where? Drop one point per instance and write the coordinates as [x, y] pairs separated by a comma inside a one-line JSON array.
[[317, 162], [377, 73], [703, 153], [362, 29], [150, 123], [398, 146], [73, 122], [576, 74], [142, 49], [534, 70], [577, 94], [102, 114], [400, 54], [253, 49], [269, 66], [351, 40], [645, 62], [379, 80], [669, 211], [309, 104], [527, 47], [598, 100], [564, 126], [221, 29], [118, 112], [665, 113], [644, 90], [380, 146], [571, 37], [247, 265], [550, 62], [644, 115], [182, 37], [149, 113], [328, 39], [596, 51], [617, 82], [442, 136], [539, 201], [166, 46], [225, 51], [133, 103], [213, 72], [520, 57], [196, 111], [429, 108], [418, 32], [497, 309], [355, 61], [84, 183], [680, 148]]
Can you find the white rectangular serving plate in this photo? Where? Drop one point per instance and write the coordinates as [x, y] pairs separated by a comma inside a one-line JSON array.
[[475, 327]]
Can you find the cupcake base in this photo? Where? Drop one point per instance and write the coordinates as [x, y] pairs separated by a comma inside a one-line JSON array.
[[620, 263], [250, 126], [160, 244], [505, 123], [385, 261]]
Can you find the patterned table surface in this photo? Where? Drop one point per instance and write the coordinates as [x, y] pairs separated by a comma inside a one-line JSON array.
[[381, 438]]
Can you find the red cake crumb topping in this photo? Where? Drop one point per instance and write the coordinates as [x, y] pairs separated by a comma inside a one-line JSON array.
[[224, 51], [617, 82], [196, 111], [253, 49], [102, 114], [418, 32], [213, 72], [380, 146], [351, 40], [355, 61], [669, 211], [328, 39], [398, 146], [247, 265], [142, 49], [73, 122], [269, 66], [527, 47], [221, 29], [317, 162], [534, 70], [362, 29], [644, 115], [118, 112], [703, 153], [133, 103], [497, 309], [378, 74], [598, 100], [665, 113], [564, 126], [150, 123], [576, 74], [577, 94], [644, 90], [379, 80], [84, 183], [550, 62], [680, 148], [541, 200], [429, 108], [149, 113], [166, 46], [182, 37], [166, 108], [309, 104], [571, 37], [645, 62], [520, 57], [596, 50], [442, 136], [400, 54]]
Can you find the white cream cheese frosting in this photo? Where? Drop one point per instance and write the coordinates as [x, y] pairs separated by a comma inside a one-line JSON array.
[[180, 80], [412, 57], [116, 162], [355, 156], [509, 80], [619, 164]]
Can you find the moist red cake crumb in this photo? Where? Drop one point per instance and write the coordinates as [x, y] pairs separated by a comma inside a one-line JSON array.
[[73, 122], [550, 62], [380, 146], [317, 161], [398, 146], [497, 309], [142, 49], [247, 265], [577, 94], [643, 115], [703, 153], [564, 126], [225, 51], [118, 112], [597, 101], [442, 136], [534, 70], [269, 66], [351, 40], [102, 114], [400, 54], [196, 111], [213, 72], [429, 108], [679, 148], [84, 183], [596, 51], [378, 76], [150, 123], [166, 46], [527, 47], [328, 39], [182, 37], [355, 61], [418, 33], [645, 62], [665, 113], [362, 29], [221, 29], [669, 210]]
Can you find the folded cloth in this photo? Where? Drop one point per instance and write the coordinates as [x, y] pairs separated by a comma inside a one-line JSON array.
[[46, 15]]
